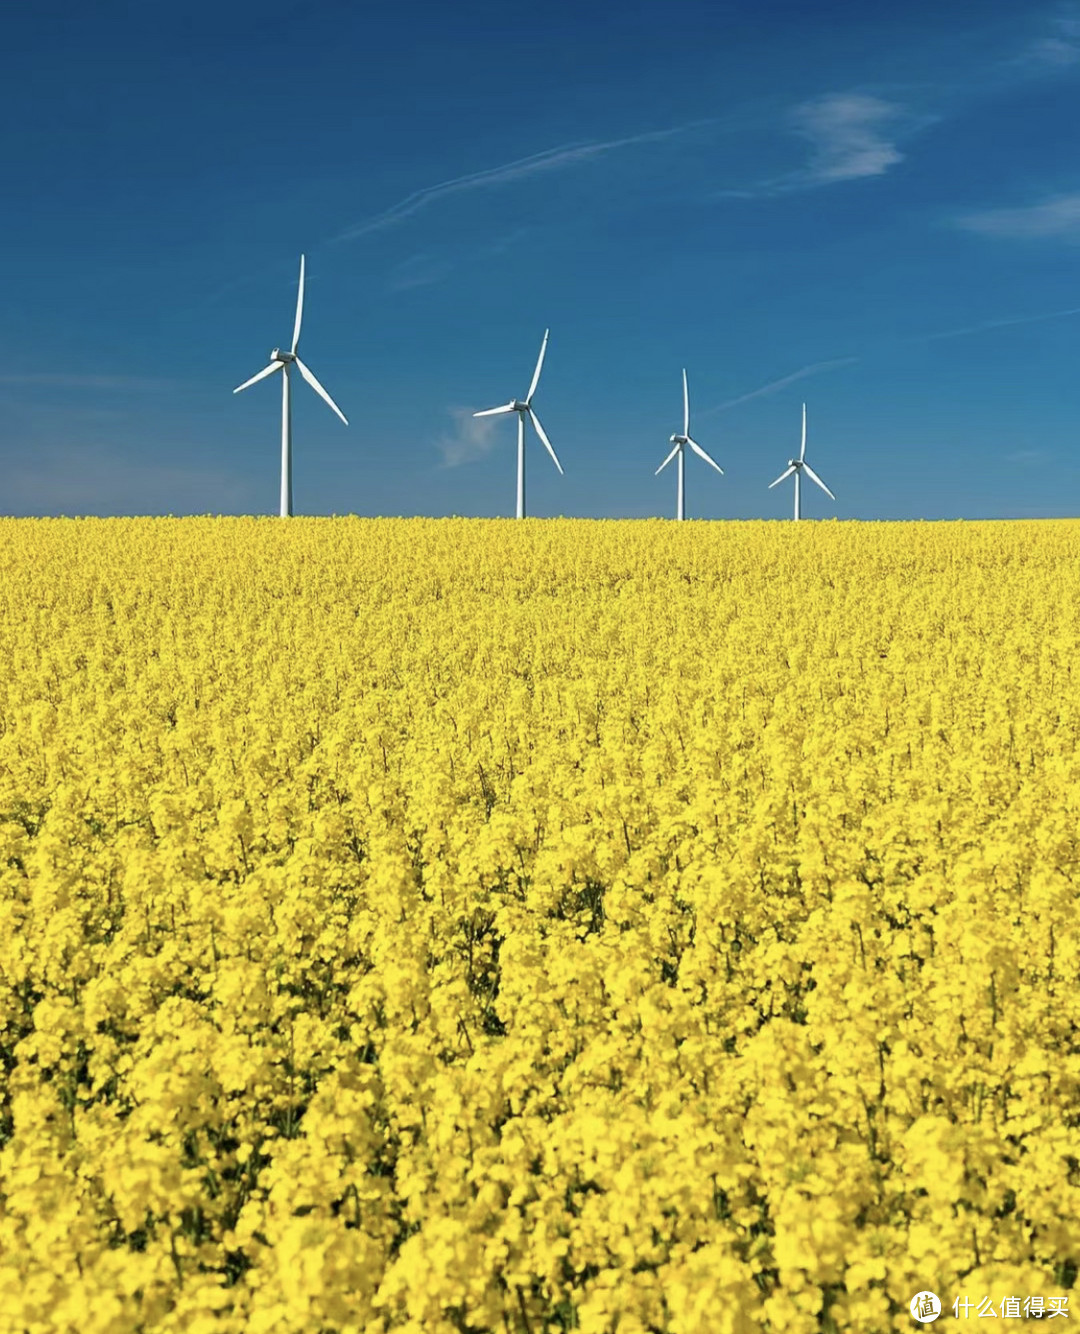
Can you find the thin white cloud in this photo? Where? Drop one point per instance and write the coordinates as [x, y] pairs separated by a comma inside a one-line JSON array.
[[834, 363], [1057, 218], [552, 159], [774, 386], [472, 438], [419, 270], [1055, 51], [1059, 47], [852, 135], [1029, 456], [509, 240], [998, 324], [426, 267]]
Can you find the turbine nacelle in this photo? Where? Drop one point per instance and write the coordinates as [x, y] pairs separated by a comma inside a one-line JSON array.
[[519, 406], [285, 357], [680, 439]]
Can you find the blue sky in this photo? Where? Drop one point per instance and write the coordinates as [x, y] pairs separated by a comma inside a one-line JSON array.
[[873, 208]]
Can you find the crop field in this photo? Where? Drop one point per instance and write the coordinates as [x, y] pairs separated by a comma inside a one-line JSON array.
[[479, 927]]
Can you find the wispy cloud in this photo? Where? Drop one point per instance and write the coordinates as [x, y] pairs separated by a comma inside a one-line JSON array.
[[427, 267], [834, 363], [419, 270], [552, 159], [472, 437], [1057, 218], [272, 273], [774, 386], [509, 240], [997, 324], [852, 135], [1059, 46], [1029, 456]]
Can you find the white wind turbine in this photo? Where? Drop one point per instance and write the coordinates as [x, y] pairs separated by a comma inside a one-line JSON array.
[[281, 361], [680, 442], [523, 408], [798, 467]]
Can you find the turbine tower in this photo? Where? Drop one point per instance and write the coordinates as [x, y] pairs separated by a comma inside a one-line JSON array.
[[523, 408], [281, 361], [798, 467], [680, 442]]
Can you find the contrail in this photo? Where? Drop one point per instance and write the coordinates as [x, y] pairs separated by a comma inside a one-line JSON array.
[[996, 324], [549, 160], [774, 385], [552, 159], [834, 362]]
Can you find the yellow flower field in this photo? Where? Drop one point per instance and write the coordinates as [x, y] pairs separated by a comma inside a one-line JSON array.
[[469, 926]]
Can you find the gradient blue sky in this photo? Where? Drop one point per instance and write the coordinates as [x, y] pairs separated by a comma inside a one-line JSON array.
[[875, 208]]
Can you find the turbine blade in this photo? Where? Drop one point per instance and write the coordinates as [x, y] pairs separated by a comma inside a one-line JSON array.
[[815, 478], [540, 432], [782, 476], [536, 373], [494, 412], [666, 461], [269, 370], [319, 390], [685, 406], [802, 451], [299, 309], [702, 455]]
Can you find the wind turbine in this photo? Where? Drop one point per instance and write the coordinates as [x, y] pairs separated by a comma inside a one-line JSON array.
[[523, 408], [281, 361], [798, 467], [680, 442]]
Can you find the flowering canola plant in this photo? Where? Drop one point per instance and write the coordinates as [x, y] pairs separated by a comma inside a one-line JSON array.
[[466, 926]]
